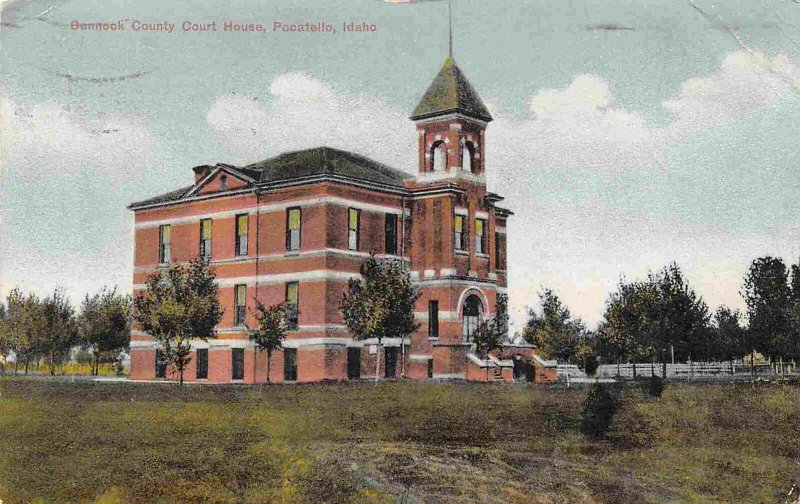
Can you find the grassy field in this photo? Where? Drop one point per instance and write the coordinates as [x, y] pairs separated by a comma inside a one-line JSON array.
[[411, 442]]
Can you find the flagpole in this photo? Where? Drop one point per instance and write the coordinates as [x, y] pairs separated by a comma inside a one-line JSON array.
[[450, 28]]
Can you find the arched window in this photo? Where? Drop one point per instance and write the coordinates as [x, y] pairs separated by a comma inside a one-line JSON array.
[[438, 156], [471, 316], [468, 157]]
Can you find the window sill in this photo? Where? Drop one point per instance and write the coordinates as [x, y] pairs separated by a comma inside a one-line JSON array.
[[481, 255], [292, 253], [462, 252]]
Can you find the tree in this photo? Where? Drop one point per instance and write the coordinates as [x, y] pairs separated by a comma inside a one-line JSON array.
[[729, 336], [60, 328], [24, 328], [180, 304], [271, 330], [660, 313], [768, 296], [554, 332], [381, 304], [5, 341], [104, 325]]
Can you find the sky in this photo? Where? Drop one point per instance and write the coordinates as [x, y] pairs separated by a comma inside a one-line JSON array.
[[626, 134]]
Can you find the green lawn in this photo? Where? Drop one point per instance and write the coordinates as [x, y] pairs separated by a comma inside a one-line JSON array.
[[87, 442]]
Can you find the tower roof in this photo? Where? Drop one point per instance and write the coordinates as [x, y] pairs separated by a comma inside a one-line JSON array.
[[451, 92]]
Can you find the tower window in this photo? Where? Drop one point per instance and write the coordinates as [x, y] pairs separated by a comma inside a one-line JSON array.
[[293, 221], [459, 233], [353, 225], [391, 234], [164, 243], [239, 304], [438, 156], [480, 236], [241, 235], [292, 303], [468, 157], [205, 239]]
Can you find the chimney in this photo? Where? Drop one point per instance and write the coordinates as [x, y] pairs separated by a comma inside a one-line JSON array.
[[200, 172]]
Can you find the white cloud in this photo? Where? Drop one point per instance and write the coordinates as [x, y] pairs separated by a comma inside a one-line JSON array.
[[304, 112], [744, 84], [67, 176]]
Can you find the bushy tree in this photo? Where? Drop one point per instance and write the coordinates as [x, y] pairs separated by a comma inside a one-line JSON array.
[[553, 331], [658, 314], [601, 403], [729, 337], [104, 325], [380, 304], [587, 353], [60, 329], [180, 304], [268, 336], [490, 332], [24, 328], [768, 295]]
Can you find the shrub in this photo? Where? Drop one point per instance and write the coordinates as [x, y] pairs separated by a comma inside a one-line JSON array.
[[599, 408], [655, 386]]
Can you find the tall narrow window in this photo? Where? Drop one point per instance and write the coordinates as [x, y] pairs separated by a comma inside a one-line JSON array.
[[223, 183], [391, 234], [459, 233], [433, 319], [202, 363], [292, 303], [239, 304], [237, 363], [498, 243], [205, 239], [241, 235], [480, 236], [161, 364], [293, 220], [353, 225], [164, 243]]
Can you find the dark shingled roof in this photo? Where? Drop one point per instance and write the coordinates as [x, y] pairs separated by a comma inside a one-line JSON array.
[[163, 198], [451, 92], [325, 161], [298, 165]]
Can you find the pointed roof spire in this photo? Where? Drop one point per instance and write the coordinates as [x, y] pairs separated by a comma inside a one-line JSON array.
[[451, 92]]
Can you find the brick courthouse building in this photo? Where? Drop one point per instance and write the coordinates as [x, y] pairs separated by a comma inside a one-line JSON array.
[[296, 228]]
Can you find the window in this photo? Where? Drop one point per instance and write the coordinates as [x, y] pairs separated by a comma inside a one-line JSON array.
[[293, 219], [471, 315], [223, 183], [498, 256], [480, 236], [202, 363], [237, 363], [391, 234], [205, 239], [353, 225], [459, 233], [241, 235], [292, 303], [289, 364], [239, 304], [164, 241], [433, 319], [468, 157], [438, 157], [161, 364]]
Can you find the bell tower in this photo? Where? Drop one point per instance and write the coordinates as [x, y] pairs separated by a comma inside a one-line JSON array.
[[451, 121]]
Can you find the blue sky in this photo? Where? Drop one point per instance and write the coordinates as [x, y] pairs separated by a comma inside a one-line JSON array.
[[626, 135]]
